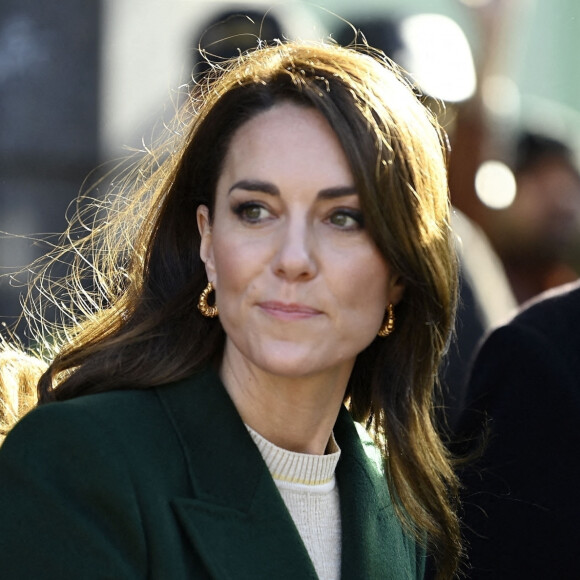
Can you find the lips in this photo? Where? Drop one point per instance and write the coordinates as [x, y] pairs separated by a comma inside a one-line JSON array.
[[288, 311]]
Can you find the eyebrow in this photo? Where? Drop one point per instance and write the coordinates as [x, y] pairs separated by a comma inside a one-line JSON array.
[[254, 185], [271, 189]]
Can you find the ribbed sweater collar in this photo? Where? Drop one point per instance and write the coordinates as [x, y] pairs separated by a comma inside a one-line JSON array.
[[300, 468]]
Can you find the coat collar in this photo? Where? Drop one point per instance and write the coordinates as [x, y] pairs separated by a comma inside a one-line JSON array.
[[374, 544], [236, 517]]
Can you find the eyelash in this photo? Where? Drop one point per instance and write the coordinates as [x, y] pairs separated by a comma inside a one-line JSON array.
[[353, 214], [241, 209]]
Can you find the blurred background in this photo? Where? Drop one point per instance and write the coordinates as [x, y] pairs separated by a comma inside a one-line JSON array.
[[82, 83]]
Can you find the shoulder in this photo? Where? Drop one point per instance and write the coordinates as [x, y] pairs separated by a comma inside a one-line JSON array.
[[553, 316], [133, 421], [527, 371], [554, 311], [522, 363], [65, 433], [128, 410], [86, 413], [545, 329]]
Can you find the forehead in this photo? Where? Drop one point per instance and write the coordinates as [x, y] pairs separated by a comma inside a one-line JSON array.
[[288, 142]]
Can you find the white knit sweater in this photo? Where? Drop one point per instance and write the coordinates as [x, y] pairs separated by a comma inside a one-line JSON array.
[[308, 487]]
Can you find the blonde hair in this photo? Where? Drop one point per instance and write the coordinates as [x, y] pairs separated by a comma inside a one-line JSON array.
[[19, 376]]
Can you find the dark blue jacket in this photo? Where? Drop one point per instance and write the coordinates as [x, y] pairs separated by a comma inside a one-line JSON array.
[[521, 508]]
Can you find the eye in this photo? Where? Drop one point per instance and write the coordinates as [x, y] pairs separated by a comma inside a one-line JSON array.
[[346, 219], [251, 212]]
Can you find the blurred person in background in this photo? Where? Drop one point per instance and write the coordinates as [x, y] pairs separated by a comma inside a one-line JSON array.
[[538, 235], [229, 33]]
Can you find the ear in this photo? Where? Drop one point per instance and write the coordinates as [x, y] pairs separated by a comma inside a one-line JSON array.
[[205, 247], [396, 289]]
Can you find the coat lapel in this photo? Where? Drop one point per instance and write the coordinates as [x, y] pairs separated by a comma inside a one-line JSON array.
[[374, 544], [236, 519]]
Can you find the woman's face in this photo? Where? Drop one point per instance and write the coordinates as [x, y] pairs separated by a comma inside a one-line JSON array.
[[301, 288]]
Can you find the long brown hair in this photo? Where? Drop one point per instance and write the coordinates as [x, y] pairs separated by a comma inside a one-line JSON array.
[[134, 323]]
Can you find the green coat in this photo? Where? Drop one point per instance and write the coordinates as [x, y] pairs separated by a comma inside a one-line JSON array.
[[166, 483]]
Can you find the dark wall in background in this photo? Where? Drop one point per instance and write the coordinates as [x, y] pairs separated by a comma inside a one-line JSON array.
[[49, 97]]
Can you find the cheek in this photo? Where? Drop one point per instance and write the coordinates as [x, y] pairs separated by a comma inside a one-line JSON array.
[[226, 258], [237, 263], [367, 285]]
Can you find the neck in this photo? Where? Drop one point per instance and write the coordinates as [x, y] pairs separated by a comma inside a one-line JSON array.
[[295, 413]]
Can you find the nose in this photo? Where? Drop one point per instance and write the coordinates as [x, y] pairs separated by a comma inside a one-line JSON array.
[[295, 255]]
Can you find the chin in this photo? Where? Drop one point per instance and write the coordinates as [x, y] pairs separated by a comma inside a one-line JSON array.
[[290, 368], [300, 367]]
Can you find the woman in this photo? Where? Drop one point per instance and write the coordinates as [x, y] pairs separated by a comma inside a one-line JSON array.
[[201, 440]]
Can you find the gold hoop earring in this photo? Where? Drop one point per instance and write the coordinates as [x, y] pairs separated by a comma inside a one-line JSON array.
[[202, 305], [389, 324]]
